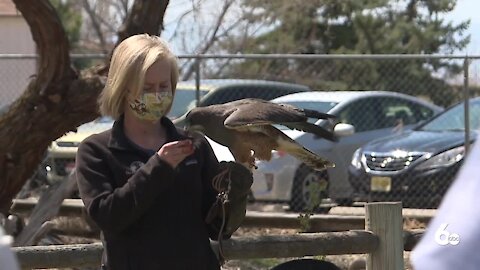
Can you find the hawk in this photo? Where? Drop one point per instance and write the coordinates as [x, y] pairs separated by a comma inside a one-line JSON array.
[[247, 128]]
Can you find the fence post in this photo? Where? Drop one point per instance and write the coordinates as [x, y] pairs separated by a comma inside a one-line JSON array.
[[385, 220], [466, 97], [197, 80]]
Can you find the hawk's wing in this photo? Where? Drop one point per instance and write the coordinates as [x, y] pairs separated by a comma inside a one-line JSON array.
[[255, 112]]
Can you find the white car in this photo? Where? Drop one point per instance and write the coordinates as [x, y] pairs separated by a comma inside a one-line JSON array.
[[363, 116]]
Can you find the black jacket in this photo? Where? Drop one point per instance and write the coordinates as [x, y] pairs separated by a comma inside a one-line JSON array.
[[151, 215]]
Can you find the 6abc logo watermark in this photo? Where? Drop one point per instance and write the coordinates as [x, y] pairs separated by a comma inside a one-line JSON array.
[[443, 237]]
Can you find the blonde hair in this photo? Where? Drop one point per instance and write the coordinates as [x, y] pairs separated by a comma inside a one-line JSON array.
[[130, 61]]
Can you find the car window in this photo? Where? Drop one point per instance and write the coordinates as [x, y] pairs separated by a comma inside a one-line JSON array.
[[383, 112], [184, 100], [364, 114], [423, 113], [311, 105], [401, 112], [454, 119]]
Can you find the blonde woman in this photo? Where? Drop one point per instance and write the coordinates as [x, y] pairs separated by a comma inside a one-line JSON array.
[[144, 182]]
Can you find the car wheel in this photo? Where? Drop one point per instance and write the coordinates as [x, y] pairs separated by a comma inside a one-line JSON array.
[[309, 188]]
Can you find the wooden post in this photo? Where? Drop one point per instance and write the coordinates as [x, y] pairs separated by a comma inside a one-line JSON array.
[[46, 209], [385, 221]]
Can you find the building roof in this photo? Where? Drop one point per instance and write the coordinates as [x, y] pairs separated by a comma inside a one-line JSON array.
[[7, 8]]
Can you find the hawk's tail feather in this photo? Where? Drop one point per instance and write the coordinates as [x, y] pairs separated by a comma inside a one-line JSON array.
[[317, 114], [312, 160], [312, 128], [306, 156]]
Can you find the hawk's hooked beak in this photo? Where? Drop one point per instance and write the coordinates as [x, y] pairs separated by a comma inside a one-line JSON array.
[[186, 126], [192, 127]]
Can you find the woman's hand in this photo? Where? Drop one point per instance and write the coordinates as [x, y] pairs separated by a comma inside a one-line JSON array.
[[175, 152]]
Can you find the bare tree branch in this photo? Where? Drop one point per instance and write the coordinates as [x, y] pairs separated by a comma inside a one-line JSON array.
[[179, 22], [107, 24], [47, 33], [96, 26], [125, 5], [241, 46], [145, 17], [120, 6], [211, 40]]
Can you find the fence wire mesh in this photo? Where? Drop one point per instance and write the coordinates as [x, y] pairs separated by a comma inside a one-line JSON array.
[[378, 157]]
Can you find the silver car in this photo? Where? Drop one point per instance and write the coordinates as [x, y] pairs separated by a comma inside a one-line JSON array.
[[361, 117]]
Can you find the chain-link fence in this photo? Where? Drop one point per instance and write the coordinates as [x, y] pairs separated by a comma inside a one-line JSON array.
[[388, 146]]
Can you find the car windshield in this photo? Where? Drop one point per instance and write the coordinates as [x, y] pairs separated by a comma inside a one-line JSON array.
[[454, 119], [321, 106], [184, 100]]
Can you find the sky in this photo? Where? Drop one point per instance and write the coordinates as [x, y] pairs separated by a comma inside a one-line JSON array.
[[468, 9]]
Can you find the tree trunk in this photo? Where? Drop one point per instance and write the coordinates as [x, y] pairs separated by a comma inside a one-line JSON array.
[[146, 16], [58, 99]]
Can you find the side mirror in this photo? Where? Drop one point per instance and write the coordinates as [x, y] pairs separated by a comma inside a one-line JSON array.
[[343, 130]]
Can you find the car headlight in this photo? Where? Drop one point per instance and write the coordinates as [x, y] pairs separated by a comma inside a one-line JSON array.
[[357, 158], [443, 159]]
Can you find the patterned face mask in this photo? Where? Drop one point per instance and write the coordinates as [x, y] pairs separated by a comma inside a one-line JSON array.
[[151, 106]]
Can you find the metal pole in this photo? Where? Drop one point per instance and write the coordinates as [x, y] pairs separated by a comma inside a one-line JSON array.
[[466, 96], [326, 56], [274, 56], [197, 80]]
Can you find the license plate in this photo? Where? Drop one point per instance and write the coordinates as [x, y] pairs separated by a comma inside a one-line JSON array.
[[381, 183]]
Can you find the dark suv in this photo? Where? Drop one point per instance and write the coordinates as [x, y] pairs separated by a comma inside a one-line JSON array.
[[219, 91], [223, 91]]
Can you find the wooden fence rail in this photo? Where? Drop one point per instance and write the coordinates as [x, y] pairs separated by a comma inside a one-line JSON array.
[[318, 222], [382, 241], [266, 246]]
